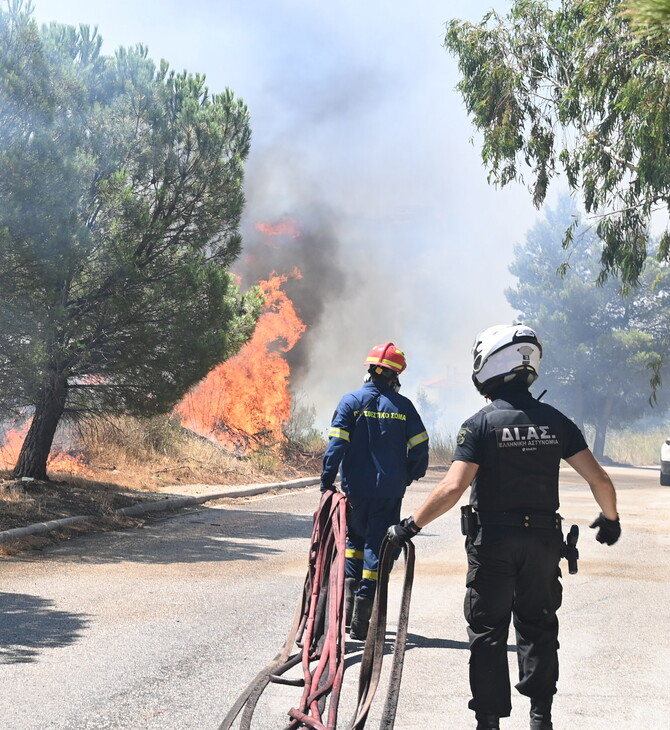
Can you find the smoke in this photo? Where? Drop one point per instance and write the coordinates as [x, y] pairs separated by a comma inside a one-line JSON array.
[[359, 141], [367, 150], [309, 249]]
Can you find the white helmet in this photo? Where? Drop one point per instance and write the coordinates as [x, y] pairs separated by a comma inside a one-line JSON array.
[[505, 353]]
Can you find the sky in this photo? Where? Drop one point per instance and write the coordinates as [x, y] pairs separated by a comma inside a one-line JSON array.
[[360, 139]]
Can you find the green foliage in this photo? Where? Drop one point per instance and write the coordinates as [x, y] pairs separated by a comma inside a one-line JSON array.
[[429, 411], [574, 89], [300, 430], [601, 349], [649, 17], [120, 200], [266, 460]]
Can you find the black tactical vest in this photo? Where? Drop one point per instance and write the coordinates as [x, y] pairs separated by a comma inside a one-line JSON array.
[[523, 452]]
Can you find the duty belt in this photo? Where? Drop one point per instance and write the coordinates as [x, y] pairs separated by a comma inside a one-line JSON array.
[[512, 519]]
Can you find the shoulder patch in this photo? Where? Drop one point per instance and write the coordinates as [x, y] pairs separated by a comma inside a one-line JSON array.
[[461, 435]]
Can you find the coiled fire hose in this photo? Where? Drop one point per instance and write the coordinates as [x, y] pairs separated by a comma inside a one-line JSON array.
[[373, 653], [319, 632]]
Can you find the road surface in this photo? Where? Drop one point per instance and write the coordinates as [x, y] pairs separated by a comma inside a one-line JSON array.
[[163, 627]]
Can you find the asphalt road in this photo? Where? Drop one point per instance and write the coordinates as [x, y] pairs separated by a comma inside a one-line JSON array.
[[164, 626]]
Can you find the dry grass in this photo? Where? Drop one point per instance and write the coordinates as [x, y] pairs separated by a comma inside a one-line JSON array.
[[150, 454], [122, 461], [442, 446], [625, 446], [29, 503], [15, 499]]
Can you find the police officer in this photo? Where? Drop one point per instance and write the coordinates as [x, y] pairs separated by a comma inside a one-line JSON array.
[[510, 451], [381, 444]]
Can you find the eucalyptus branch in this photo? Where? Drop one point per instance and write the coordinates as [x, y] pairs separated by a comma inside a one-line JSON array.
[[620, 211]]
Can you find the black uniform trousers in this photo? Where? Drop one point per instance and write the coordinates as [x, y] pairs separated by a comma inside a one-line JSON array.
[[512, 572]]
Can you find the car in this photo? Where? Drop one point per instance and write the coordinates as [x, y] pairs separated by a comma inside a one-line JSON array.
[[665, 463]]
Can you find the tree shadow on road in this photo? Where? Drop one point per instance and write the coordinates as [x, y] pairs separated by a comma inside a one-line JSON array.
[[30, 624], [203, 535]]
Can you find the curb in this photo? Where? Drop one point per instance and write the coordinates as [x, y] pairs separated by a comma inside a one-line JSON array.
[[163, 505], [39, 527], [159, 505], [248, 490]]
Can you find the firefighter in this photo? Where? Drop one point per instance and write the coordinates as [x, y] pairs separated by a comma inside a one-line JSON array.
[[379, 443], [510, 451]]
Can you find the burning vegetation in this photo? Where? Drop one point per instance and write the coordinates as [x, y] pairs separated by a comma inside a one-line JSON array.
[[70, 462], [244, 403], [121, 296]]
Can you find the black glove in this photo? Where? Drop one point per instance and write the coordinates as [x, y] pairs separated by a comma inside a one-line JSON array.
[[402, 533], [609, 530], [327, 487]]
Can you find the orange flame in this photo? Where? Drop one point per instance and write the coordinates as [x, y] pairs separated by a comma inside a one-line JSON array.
[[59, 461], [70, 463], [11, 446], [286, 227], [244, 402]]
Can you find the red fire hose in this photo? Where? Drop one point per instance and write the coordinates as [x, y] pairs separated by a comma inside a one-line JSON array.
[[319, 633]]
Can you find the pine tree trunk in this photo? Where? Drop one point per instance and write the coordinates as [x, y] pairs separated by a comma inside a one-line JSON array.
[[601, 428], [578, 416], [32, 461]]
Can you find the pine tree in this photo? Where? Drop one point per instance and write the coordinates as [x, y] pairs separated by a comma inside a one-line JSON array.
[[120, 200]]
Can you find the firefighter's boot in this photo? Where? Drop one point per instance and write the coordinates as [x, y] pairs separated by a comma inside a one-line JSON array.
[[540, 714], [360, 620], [350, 588], [487, 722]]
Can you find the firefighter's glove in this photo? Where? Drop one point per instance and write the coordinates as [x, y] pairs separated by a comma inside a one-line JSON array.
[[402, 533], [609, 531], [327, 487]]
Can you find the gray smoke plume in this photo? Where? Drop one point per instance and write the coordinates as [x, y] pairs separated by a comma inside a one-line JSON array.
[[360, 138], [309, 244]]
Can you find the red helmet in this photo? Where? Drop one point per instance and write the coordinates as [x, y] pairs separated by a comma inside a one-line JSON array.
[[387, 356]]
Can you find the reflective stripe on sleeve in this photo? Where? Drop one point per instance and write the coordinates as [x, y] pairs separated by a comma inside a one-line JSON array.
[[370, 574], [340, 433], [418, 439], [356, 554]]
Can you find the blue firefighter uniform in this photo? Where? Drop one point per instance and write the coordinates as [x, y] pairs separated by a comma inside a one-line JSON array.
[[379, 441]]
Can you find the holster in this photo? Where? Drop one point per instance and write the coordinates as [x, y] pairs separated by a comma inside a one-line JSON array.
[[468, 521], [569, 549]]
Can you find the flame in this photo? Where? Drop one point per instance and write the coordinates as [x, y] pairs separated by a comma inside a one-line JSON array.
[[58, 461], [286, 227], [244, 402], [70, 463], [11, 446]]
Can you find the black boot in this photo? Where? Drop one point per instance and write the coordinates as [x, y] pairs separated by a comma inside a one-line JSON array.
[[350, 588], [361, 618], [540, 714], [487, 722]]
